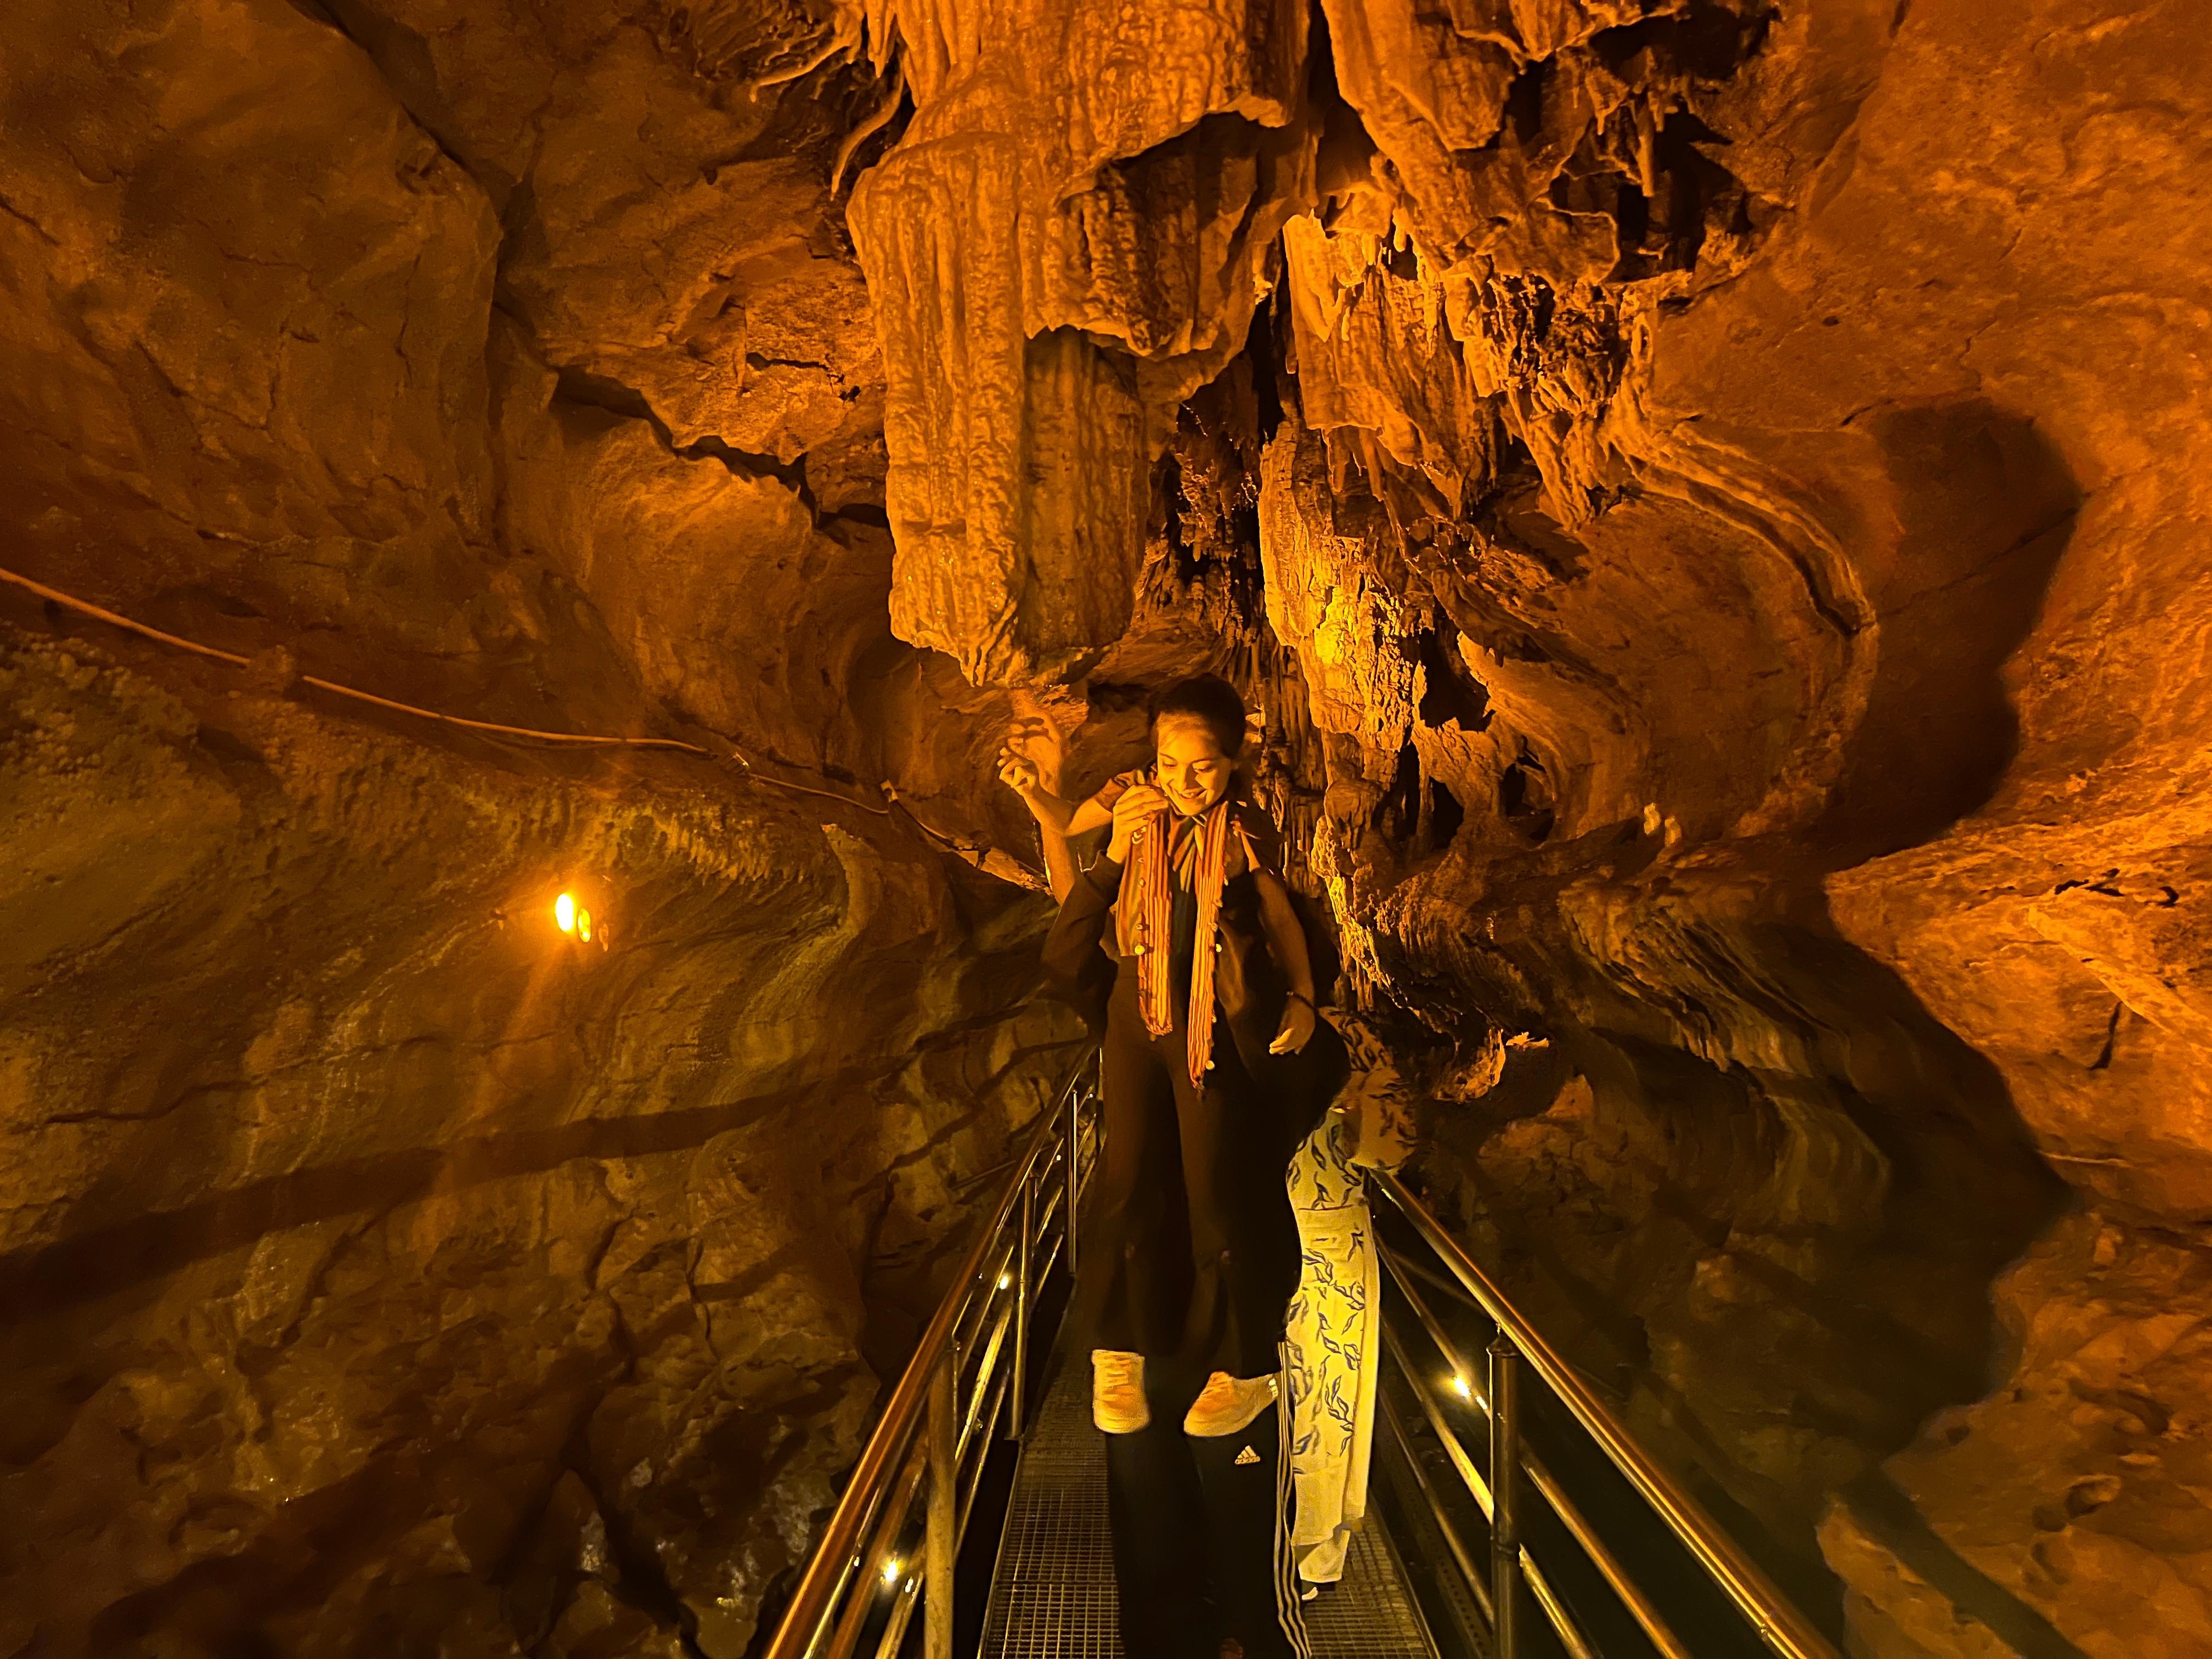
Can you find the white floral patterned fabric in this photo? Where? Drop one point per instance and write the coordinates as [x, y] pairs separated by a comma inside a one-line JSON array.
[[1335, 1330]]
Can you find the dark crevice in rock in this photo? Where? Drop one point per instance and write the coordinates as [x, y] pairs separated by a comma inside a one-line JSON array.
[[2111, 1034], [640, 1581], [403, 59], [592, 390], [1525, 798], [1451, 693], [862, 514], [1976, 1596], [1704, 41]]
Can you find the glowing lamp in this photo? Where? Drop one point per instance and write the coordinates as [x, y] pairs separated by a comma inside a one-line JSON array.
[[892, 1571], [564, 914], [1005, 1280], [1465, 1392], [584, 925]]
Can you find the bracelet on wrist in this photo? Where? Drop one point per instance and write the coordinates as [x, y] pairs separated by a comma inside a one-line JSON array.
[[1299, 996]]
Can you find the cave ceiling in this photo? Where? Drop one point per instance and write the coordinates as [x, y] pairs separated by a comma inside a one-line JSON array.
[[1708, 498]]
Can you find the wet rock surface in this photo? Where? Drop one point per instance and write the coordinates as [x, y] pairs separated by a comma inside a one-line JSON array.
[[1707, 498], [386, 1272]]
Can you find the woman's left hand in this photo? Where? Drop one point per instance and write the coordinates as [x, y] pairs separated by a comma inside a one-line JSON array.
[[1296, 1029]]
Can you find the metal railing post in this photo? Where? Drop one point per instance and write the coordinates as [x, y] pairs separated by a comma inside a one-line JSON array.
[[1075, 1157], [1018, 1413], [940, 1538], [1547, 1486], [1505, 1493]]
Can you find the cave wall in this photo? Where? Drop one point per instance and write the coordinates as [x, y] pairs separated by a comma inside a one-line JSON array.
[[386, 1272], [1721, 483], [383, 1272], [1706, 498]]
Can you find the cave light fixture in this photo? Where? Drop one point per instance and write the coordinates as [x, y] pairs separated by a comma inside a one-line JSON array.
[[574, 919], [891, 1570], [1461, 1386]]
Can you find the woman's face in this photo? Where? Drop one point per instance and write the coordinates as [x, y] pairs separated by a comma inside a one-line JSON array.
[[1192, 770]]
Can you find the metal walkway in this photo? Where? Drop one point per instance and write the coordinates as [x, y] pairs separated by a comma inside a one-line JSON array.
[[1517, 1486], [1053, 1595]]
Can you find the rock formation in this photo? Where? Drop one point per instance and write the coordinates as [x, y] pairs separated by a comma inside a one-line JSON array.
[[1706, 493], [385, 1272]]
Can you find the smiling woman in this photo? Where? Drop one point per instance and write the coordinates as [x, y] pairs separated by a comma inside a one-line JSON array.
[[1198, 733], [1189, 767], [1210, 1078]]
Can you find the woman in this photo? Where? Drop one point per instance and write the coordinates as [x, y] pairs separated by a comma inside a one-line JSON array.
[[1191, 1249]]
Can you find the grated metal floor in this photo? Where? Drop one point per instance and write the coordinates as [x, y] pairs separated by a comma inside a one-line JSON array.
[[1372, 1614], [1052, 1596]]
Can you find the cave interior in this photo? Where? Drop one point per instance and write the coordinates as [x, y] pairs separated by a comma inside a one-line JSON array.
[[1708, 500]]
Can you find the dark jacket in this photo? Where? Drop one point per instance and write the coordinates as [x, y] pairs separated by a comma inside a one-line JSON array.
[[1083, 960], [1083, 956]]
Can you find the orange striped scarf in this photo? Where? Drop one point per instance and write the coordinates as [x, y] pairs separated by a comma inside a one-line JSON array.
[[1145, 912]]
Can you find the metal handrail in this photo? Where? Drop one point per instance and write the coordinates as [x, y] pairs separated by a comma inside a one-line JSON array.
[[863, 1530], [1617, 1577], [1778, 1622], [969, 1372], [1486, 1594]]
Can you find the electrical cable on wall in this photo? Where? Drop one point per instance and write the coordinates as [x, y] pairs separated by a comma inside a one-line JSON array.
[[493, 728]]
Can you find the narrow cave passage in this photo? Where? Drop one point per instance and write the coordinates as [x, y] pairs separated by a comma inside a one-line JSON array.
[[537, 537]]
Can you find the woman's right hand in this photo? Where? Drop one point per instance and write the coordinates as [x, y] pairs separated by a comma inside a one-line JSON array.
[[1018, 772], [1138, 802]]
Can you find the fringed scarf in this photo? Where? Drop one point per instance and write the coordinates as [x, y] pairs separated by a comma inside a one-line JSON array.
[[1145, 911]]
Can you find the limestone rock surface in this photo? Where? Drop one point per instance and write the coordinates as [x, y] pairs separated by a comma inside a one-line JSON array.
[[387, 1269], [1721, 484], [1065, 242], [383, 1271]]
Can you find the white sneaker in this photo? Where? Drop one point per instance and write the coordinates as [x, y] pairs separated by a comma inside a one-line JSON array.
[[1228, 1404], [1118, 1405]]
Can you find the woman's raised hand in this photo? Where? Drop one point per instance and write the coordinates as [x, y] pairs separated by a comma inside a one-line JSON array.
[[1018, 772], [1138, 802]]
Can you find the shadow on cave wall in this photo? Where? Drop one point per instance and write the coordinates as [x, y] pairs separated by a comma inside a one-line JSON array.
[[1825, 1295], [1986, 505], [1771, 1110]]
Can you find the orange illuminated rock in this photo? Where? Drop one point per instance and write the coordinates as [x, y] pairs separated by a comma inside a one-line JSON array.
[[1068, 240], [1706, 499]]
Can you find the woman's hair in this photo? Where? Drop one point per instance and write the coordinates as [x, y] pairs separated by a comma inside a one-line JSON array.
[[1212, 702]]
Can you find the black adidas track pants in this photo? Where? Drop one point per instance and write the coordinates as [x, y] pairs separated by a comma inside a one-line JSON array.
[[1201, 1532]]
